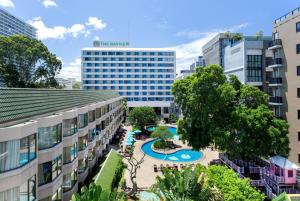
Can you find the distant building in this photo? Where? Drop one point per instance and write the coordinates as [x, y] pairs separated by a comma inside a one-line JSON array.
[[199, 62], [285, 79], [213, 51], [66, 83], [247, 59], [143, 75], [12, 25]]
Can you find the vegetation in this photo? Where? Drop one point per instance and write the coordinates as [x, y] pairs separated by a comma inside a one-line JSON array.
[[124, 106], [185, 185], [111, 172], [216, 183], [160, 144], [76, 85], [163, 133], [133, 165], [237, 37], [173, 117], [27, 63], [232, 116], [139, 117]]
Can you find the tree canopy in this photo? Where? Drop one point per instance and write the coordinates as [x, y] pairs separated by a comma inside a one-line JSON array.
[[196, 183], [26, 62], [139, 117], [232, 116]]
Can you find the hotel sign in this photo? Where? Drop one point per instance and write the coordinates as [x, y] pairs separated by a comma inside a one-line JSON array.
[[112, 44]]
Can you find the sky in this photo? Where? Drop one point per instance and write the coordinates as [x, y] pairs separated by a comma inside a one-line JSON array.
[[67, 26]]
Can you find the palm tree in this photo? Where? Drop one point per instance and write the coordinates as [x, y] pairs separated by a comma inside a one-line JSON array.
[[188, 184]]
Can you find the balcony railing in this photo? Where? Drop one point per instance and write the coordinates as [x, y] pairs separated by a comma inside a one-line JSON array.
[[275, 80], [276, 61], [276, 42], [275, 99]]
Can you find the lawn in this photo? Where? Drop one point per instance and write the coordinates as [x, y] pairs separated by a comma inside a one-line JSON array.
[[108, 170]]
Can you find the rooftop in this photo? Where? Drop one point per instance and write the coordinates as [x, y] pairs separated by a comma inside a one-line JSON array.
[[289, 14], [128, 49], [19, 104], [283, 162]]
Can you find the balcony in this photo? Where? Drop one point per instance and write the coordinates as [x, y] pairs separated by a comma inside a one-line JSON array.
[[276, 43], [275, 100], [276, 81], [275, 63]]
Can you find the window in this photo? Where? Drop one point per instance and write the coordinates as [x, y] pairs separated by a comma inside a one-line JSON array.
[[82, 165], [49, 171], [298, 70], [298, 27], [49, 136], [298, 114], [83, 119], [70, 153], [17, 153], [298, 48], [298, 136], [69, 180], [69, 126], [254, 68], [298, 92], [290, 173]]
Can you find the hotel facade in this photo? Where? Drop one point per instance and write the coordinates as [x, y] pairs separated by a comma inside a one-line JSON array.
[[143, 75], [51, 139], [285, 73]]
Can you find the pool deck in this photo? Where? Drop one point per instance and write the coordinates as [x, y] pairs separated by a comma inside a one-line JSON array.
[[145, 174]]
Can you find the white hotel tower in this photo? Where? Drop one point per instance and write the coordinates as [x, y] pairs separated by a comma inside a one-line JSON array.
[[143, 75]]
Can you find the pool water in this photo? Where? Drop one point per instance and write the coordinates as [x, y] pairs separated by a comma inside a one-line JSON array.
[[173, 130], [183, 155], [148, 196]]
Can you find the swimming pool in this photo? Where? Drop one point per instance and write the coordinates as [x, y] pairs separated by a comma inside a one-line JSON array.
[[173, 130], [183, 155]]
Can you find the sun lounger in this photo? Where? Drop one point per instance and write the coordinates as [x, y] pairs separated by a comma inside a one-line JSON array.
[[155, 168]]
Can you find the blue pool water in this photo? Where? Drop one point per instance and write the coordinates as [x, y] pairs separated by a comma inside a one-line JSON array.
[[183, 155], [148, 196], [173, 130]]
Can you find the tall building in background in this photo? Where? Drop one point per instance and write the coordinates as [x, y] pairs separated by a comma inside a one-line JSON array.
[[213, 51], [247, 59], [50, 140], [285, 82], [143, 75], [12, 25], [198, 62]]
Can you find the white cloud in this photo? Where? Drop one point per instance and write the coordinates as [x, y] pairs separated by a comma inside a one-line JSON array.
[[49, 3], [7, 3], [72, 70], [96, 23], [186, 53], [59, 32]]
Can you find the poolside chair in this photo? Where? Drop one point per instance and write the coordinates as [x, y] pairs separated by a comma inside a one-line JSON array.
[[175, 166], [161, 167], [155, 168]]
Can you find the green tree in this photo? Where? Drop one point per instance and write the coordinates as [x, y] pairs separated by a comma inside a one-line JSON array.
[[139, 117], [76, 85], [231, 186], [26, 62], [232, 116], [162, 132], [91, 193], [189, 184]]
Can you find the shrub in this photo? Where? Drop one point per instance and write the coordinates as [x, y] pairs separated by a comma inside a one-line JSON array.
[[160, 144]]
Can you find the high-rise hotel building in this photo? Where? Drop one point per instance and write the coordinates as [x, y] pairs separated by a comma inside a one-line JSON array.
[[12, 25], [285, 81], [143, 75], [50, 140]]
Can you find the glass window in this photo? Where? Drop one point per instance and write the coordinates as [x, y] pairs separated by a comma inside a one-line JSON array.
[[70, 153], [49, 171], [298, 70], [298, 114], [69, 126], [26, 192], [298, 27], [82, 142], [69, 180], [298, 136], [82, 120], [298, 48], [82, 165], [49, 137], [290, 173], [92, 115], [91, 134]]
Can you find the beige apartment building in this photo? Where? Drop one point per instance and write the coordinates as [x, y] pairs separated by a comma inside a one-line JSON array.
[[50, 140], [285, 76]]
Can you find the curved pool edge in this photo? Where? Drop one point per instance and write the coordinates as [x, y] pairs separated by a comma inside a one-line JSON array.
[[168, 161]]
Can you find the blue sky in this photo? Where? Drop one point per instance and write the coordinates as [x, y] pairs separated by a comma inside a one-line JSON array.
[[66, 26]]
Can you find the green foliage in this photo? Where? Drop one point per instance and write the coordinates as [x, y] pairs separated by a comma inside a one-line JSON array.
[[124, 105], [185, 185], [224, 112], [231, 186], [197, 183], [76, 85], [26, 62], [160, 144], [139, 117], [110, 173], [92, 193], [162, 132], [173, 117]]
